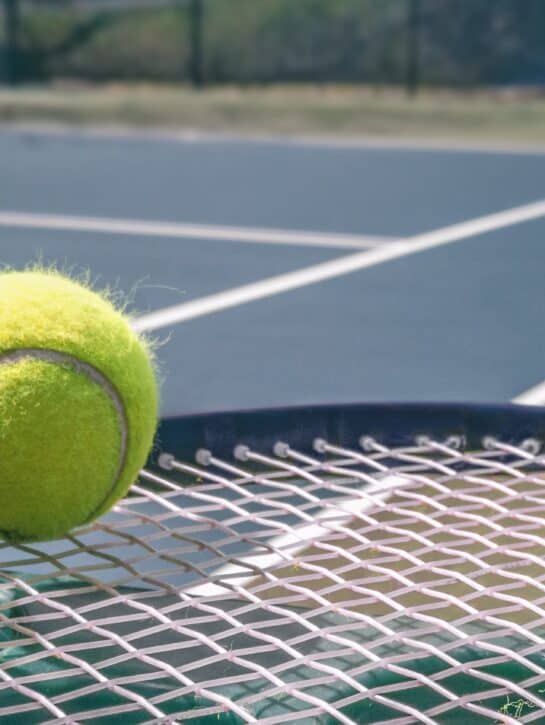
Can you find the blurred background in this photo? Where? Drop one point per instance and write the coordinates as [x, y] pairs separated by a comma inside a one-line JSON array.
[[256, 177], [361, 51], [458, 43]]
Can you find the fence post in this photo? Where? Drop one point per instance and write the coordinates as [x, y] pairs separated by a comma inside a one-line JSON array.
[[413, 46], [11, 41], [196, 31]]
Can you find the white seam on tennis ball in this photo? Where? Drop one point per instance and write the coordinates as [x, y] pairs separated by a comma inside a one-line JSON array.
[[55, 357]]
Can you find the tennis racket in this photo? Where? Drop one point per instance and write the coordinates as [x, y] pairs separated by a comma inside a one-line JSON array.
[[338, 564]]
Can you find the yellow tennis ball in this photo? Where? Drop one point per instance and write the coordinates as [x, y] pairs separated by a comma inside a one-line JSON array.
[[78, 405]]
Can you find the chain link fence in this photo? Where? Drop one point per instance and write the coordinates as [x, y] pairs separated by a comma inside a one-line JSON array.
[[459, 43]]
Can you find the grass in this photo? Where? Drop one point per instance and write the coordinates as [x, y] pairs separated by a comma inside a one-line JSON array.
[[340, 111]]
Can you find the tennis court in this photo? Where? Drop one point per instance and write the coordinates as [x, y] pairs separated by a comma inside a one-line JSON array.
[[324, 564], [455, 322]]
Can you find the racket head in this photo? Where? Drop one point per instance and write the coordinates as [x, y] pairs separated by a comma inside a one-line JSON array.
[[361, 563], [394, 424]]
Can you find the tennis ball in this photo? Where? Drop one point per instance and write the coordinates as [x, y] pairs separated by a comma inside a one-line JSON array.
[[78, 405]]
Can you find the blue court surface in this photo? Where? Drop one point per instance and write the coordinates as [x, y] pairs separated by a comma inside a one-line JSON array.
[[278, 273]]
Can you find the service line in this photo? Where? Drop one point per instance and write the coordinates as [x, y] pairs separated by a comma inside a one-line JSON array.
[[181, 230]]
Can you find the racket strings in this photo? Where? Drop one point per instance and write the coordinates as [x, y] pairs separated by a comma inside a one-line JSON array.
[[373, 584]]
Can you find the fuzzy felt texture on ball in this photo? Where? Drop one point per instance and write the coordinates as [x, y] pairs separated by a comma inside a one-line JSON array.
[[78, 405]]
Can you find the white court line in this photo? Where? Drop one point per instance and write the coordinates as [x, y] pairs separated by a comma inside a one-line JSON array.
[[286, 547], [189, 231], [337, 267], [533, 396]]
